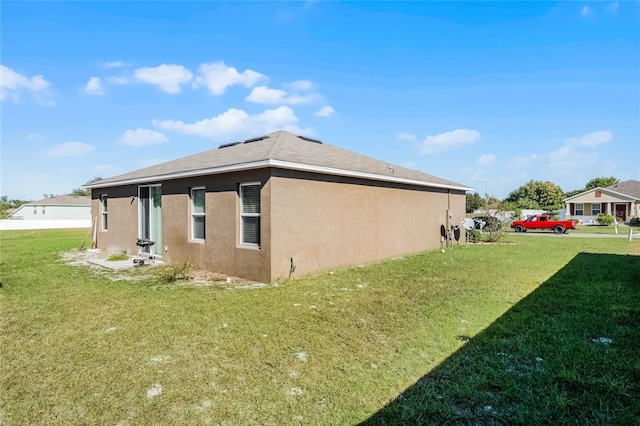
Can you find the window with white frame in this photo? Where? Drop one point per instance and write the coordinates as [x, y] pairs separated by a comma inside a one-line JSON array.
[[103, 203], [579, 209], [596, 209], [250, 213], [197, 214]]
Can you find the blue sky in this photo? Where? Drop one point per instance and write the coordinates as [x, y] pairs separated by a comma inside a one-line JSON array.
[[477, 92]]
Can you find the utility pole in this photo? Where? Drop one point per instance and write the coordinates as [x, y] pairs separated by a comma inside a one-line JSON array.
[[486, 192]]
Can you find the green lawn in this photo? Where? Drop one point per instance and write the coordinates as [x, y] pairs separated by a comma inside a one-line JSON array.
[[486, 334], [601, 229]]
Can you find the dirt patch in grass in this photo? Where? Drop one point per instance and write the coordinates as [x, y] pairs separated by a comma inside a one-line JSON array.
[[197, 277], [202, 278]]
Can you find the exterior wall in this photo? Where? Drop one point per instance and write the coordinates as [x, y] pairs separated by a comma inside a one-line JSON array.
[[320, 221], [220, 252], [323, 222], [52, 212], [590, 197], [122, 218], [607, 207]]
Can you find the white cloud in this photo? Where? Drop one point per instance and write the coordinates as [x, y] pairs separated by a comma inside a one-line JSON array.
[[300, 85], [613, 7], [12, 83], [586, 11], [448, 140], [217, 76], [167, 77], [114, 64], [325, 111], [33, 135], [591, 139], [521, 161], [486, 160], [105, 170], [265, 95], [569, 164], [94, 87], [117, 80], [572, 161], [70, 149], [143, 137], [406, 136], [235, 123]]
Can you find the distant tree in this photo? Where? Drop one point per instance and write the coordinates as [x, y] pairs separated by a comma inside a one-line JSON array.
[[6, 205], [496, 207], [572, 193], [474, 202], [95, 179], [601, 182], [80, 192], [510, 206], [537, 194]]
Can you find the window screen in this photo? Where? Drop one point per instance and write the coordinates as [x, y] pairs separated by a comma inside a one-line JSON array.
[[250, 213], [197, 214], [105, 216]]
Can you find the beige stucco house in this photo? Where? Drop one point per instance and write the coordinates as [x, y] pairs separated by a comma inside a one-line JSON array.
[[273, 206], [621, 200]]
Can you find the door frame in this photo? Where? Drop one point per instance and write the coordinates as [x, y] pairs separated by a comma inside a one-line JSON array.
[[156, 249], [615, 211]]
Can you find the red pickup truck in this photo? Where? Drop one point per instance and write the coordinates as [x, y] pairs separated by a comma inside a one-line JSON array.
[[543, 222]]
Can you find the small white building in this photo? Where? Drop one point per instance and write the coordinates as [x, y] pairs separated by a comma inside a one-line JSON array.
[[60, 207]]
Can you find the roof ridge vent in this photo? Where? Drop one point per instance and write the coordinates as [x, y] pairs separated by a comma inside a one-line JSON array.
[[261, 138], [304, 138], [226, 145]]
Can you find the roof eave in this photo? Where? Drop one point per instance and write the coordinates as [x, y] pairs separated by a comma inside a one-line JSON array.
[[279, 164]]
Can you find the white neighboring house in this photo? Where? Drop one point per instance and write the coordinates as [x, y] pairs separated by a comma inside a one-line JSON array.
[[55, 208], [62, 211], [621, 200]]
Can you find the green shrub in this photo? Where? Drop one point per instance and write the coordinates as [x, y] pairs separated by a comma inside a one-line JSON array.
[[118, 256], [635, 221], [173, 272], [605, 219]]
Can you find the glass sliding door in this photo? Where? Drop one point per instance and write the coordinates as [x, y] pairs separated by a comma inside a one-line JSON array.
[[150, 224]]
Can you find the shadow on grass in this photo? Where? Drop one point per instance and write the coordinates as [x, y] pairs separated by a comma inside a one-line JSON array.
[[565, 354]]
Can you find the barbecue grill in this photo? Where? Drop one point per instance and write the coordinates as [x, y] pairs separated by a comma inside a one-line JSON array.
[[144, 251]]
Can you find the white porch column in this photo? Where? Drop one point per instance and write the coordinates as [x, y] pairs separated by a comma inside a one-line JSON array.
[[633, 208], [567, 211], [609, 208]]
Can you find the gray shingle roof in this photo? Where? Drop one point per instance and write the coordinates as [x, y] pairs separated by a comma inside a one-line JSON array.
[[279, 149], [628, 187], [63, 200]]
